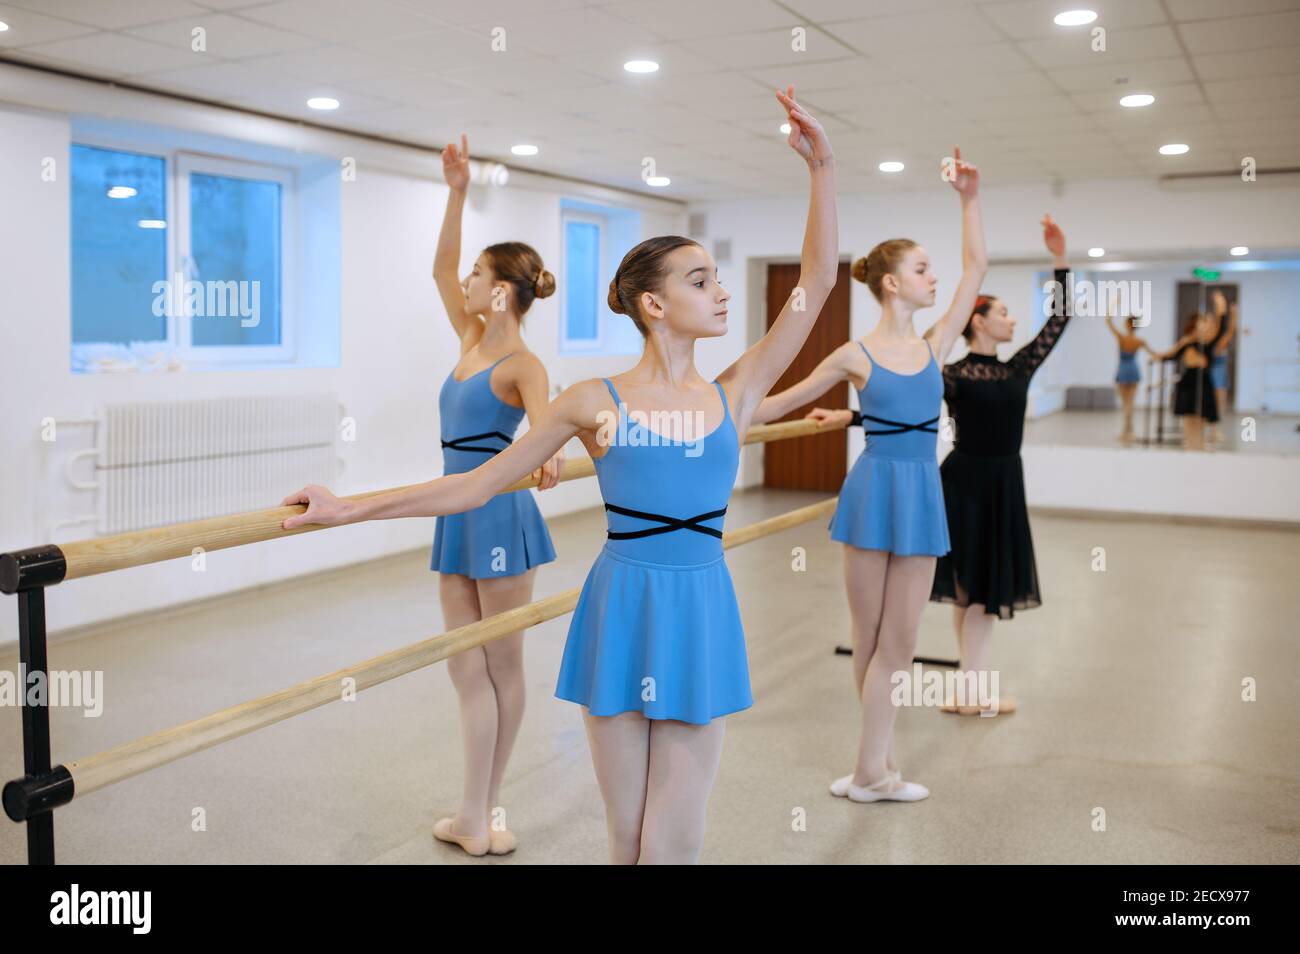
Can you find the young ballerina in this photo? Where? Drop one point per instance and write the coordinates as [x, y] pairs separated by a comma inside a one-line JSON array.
[[890, 514], [1127, 377], [1226, 315], [487, 556], [990, 571], [1193, 394], [655, 652]]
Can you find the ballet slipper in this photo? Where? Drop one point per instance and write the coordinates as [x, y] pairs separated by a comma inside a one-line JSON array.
[[1005, 706], [891, 788], [501, 842], [473, 846], [840, 787]]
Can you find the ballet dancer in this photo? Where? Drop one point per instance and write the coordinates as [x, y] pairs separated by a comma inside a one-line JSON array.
[[1127, 376], [487, 556], [990, 572], [890, 514], [655, 653], [1193, 394], [1226, 315]]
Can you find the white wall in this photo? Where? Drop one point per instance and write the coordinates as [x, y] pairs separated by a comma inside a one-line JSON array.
[[397, 347]]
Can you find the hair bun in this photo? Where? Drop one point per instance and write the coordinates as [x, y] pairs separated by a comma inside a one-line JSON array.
[[544, 287], [615, 305], [859, 269]]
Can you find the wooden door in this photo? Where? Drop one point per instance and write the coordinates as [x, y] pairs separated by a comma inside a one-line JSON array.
[[817, 462]]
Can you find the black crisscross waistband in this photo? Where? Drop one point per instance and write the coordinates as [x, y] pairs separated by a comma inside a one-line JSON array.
[[458, 443], [897, 427], [670, 523]]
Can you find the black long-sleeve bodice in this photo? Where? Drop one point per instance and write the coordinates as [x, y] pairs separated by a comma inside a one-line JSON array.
[[987, 397]]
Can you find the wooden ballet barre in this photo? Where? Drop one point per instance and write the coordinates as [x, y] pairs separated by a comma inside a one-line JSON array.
[[26, 797], [40, 566]]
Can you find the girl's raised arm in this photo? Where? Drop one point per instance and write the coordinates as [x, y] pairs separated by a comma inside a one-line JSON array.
[[754, 372], [965, 179], [446, 260]]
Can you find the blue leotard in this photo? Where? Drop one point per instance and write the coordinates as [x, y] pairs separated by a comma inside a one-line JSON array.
[[657, 628], [507, 535], [1128, 372], [892, 499]]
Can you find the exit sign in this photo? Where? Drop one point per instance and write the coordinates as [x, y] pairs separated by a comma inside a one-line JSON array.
[[1206, 274]]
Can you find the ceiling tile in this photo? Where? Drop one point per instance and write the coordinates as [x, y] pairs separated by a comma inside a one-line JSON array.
[[226, 37], [27, 28], [112, 54], [1122, 46], [1241, 33], [110, 14]]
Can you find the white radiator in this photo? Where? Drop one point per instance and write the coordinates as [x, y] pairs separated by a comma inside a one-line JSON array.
[[161, 463]]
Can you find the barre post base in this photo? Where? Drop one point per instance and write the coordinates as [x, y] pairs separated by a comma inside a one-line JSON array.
[[27, 573]]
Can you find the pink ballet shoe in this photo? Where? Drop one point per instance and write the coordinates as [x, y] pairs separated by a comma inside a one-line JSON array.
[[1004, 706], [442, 830], [502, 842]]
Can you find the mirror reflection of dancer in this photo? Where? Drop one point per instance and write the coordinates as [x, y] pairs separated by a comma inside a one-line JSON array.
[[1194, 393], [1128, 377], [890, 515], [656, 649], [1226, 316], [990, 571], [487, 557]]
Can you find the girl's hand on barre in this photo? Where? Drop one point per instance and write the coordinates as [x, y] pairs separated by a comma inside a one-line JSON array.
[[825, 416], [322, 508], [548, 475]]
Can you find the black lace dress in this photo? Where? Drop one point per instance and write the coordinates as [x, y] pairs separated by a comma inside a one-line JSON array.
[[991, 562], [1194, 392]]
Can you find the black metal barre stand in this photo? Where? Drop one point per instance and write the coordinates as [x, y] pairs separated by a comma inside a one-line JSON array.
[[923, 660], [33, 798], [1158, 385]]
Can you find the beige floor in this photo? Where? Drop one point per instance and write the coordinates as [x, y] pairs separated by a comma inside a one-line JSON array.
[[1273, 433], [1129, 683]]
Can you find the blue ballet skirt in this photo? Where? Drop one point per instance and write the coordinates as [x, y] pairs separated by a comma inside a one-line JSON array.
[[507, 535], [892, 504], [1219, 372], [657, 628], [892, 499], [1128, 372], [504, 537], [663, 640]]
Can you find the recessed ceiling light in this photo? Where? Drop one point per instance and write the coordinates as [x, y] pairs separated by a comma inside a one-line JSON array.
[[658, 181], [1096, 252], [3, 26], [121, 192], [1239, 250], [1174, 149], [152, 224], [892, 165], [1134, 100], [323, 102], [523, 149], [785, 129], [1074, 17], [641, 66]]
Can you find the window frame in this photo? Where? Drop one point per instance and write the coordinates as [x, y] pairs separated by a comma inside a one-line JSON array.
[[580, 345], [187, 163], [176, 207]]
